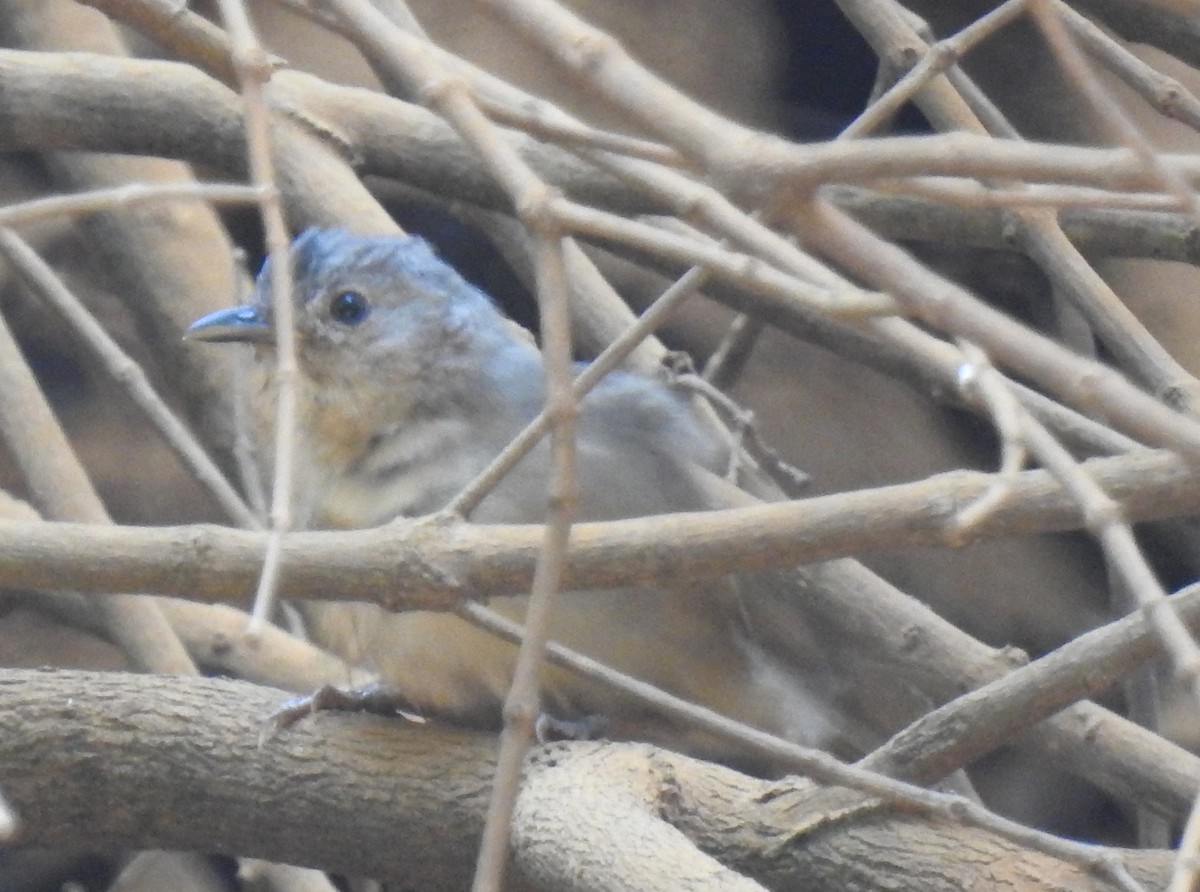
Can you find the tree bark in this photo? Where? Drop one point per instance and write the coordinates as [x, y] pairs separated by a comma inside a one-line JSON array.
[[115, 760]]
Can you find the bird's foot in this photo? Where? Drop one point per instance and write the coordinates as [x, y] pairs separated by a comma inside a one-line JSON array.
[[548, 728], [374, 698]]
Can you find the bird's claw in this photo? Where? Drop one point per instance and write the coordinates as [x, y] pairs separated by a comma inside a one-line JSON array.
[[375, 698], [549, 728]]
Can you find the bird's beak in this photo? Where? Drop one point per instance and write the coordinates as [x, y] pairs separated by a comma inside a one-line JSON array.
[[234, 324]]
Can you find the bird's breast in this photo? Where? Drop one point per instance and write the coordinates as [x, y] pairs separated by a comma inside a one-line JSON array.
[[405, 469]]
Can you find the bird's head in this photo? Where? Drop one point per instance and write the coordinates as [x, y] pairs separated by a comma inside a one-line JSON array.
[[364, 299], [386, 333]]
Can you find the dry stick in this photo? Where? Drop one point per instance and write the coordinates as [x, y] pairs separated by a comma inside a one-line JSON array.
[[968, 727], [1119, 757], [737, 266], [551, 128], [183, 31], [38, 275], [412, 565], [941, 55], [377, 120], [791, 814], [1106, 521], [269, 198], [1050, 246], [84, 169], [898, 347], [808, 287], [667, 186], [495, 93], [974, 194], [253, 69], [781, 165], [1185, 653], [778, 166], [1114, 230], [895, 345], [322, 187], [1042, 236], [1183, 876], [848, 241], [191, 35], [1110, 114], [1172, 27], [1132, 573], [644, 175], [534, 116], [1164, 94], [37, 442], [762, 164], [400, 15], [63, 491], [131, 195], [834, 299], [522, 705], [1006, 413], [729, 359], [947, 306]]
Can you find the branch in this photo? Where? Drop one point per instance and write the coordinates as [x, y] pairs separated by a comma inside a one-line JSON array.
[[402, 801], [432, 564]]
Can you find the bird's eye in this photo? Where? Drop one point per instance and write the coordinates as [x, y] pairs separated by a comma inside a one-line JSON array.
[[349, 308]]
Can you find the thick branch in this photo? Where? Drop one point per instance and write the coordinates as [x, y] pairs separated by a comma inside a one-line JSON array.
[[160, 108], [175, 763], [157, 762], [775, 832], [431, 565]]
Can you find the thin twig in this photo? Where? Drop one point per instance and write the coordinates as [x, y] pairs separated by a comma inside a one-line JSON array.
[[946, 305], [450, 96], [1005, 412], [253, 68], [127, 373], [533, 120], [63, 491], [1106, 521], [522, 705], [126, 197], [727, 361], [942, 55], [1164, 94], [609, 359]]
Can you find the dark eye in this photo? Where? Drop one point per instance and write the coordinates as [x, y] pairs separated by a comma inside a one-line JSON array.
[[349, 308]]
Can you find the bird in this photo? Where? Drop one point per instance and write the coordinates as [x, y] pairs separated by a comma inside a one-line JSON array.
[[410, 381]]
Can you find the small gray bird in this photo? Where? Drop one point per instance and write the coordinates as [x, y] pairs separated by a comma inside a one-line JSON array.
[[411, 381]]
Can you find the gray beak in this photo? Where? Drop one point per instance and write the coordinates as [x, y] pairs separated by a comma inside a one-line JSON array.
[[234, 324]]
